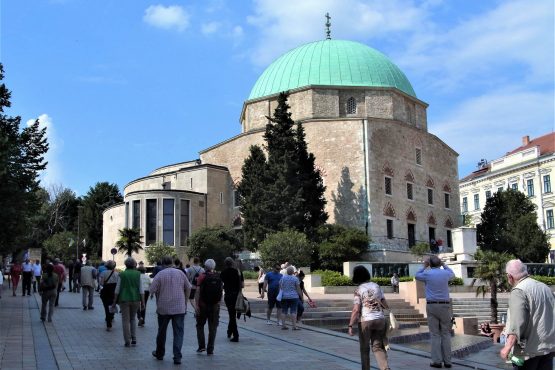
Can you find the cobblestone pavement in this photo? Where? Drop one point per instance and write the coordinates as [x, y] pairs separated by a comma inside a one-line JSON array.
[[77, 339]]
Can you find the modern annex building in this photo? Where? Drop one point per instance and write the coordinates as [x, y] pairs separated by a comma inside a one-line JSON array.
[[383, 171], [528, 168]]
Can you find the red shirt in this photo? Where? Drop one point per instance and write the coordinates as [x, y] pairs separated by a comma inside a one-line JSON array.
[[61, 271]]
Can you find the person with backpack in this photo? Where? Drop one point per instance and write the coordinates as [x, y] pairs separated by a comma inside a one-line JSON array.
[[48, 289], [193, 272], [171, 288], [207, 306], [232, 279]]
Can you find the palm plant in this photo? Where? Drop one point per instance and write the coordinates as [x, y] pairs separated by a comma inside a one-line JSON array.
[[129, 241], [491, 271]]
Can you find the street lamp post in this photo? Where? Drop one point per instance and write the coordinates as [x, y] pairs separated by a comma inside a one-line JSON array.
[[78, 229]]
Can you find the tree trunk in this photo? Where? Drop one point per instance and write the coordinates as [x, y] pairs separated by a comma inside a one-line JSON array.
[[493, 301]]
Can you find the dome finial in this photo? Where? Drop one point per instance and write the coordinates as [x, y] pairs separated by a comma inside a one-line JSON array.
[[328, 25]]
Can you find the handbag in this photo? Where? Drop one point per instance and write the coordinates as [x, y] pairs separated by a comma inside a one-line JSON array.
[[393, 323], [106, 287], [279, 296]]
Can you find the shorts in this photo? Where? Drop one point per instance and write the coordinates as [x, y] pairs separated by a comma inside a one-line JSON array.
[[289, 304], [272, 300]]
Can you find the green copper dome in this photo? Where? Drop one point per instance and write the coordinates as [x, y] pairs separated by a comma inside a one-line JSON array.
[[331, 63]]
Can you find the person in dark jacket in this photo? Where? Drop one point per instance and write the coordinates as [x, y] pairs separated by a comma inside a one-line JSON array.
[[232, 279]]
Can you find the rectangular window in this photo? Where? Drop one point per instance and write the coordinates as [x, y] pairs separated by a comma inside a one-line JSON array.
[[221, 198], [549, 221], [476, 202], [530, 187], [547, 184], [488, 194], [136, 224], [168, 221], [499, 190], [418, 156], [410, 195], [150, 221], [447, 200], [432, 235], [184, 222], [191, 182], [430, 196], [126, 214], [449, 239], [236, 199], [411, 234], [388, 185], [465, 204], [514, 186], [389, 229]]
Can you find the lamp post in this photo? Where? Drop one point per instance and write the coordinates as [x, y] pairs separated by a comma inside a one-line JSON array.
[[78, 230]]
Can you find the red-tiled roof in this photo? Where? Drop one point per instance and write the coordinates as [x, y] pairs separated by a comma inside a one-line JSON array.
[[545, 142], [476, 173]]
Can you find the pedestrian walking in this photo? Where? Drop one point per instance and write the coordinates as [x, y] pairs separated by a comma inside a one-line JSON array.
[[108, 280], [290, 287], [260, 279], [77, 275], [61, 271], [101, 268], [145, 279], [15, 274], [171, 288], [88, 282], [48, 288], [193, 272], [368, 305], [37, 273], [129, 295], [27, 276], [233, 282], [531, 324], [1, 280], [436, 275], [300, 308], [395, 282], [207, 306], [271, 286]]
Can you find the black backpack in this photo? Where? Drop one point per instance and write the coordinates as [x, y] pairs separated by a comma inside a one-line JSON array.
[[211, 288]]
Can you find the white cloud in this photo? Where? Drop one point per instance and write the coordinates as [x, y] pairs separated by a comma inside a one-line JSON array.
[[490, 125], [284, 24], [53, 173], [210, 28], [167, 17], [514, 34]]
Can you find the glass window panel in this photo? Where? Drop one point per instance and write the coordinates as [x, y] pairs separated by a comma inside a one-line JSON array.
[[150, 221], [136, 214], [168, 221], [184, 222]]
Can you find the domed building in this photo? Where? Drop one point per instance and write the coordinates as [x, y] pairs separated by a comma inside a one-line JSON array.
[[367, 128]]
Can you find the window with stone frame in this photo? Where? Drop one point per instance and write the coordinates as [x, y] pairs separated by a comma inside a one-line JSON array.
[[547, 184], [447, 198], [387, 185], [389, 224], [488, 194], [351, 105], [465, 204], [430, 196], [530, 187], [410, 194], [418, 155], [476, 202], [549, 220]]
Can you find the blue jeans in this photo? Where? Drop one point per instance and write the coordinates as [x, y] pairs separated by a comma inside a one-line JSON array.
[[177, 326], [289, 304]]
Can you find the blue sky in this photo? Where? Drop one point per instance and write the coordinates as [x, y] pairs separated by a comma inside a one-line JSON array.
[[130, 85]]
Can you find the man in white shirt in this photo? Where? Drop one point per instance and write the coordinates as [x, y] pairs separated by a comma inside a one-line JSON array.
[[27, 276], [37, 272]]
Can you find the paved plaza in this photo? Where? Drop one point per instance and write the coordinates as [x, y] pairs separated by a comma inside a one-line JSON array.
[[77, 339]]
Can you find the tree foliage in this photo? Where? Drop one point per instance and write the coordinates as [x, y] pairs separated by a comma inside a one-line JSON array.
[[339, 244], [21, 160], [129, 241], [509, 224], [289, 245], [99, 197], [60, 245], [420, 249], [217, 243], [155, 252], [285, 189]]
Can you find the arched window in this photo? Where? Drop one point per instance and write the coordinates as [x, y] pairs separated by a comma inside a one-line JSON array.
[[351, 106]]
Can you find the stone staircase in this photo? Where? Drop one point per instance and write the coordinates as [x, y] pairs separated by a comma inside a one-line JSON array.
[[478, 308]]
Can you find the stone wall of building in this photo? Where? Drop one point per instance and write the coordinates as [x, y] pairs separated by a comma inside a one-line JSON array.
[[392, 147]]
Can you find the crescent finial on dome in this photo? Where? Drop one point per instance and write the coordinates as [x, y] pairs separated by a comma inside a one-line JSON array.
[[328, 25]]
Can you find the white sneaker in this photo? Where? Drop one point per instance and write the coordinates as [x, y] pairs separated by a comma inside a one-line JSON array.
[[279, 323], [268, 322]]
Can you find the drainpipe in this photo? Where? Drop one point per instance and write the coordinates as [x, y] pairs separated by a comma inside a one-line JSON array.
[[205, 210], [366, 174]]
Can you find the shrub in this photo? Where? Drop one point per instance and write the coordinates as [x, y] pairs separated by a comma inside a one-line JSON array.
[[217, 243], [289, 245], [548, 280], [456, 281], [338, 244], [250, 275], [420, 249], [333, 278], [155, 252], [386, 281]]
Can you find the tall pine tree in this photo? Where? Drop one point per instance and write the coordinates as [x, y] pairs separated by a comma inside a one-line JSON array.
[[284, 191]]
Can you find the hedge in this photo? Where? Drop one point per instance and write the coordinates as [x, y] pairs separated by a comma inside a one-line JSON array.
[[547, 280], [250, 275], [334, 278], [456, 281]]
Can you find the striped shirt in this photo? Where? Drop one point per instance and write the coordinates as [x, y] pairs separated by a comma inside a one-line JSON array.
[[169, 286]]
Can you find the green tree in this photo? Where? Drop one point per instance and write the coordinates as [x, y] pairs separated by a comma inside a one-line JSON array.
[[491, 272], [289, 245], [21, 160], [99, 197], [420, 249], [339, 244], [509, 224], [216, 242], [129, 241], [155, 252], [60, 245]]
